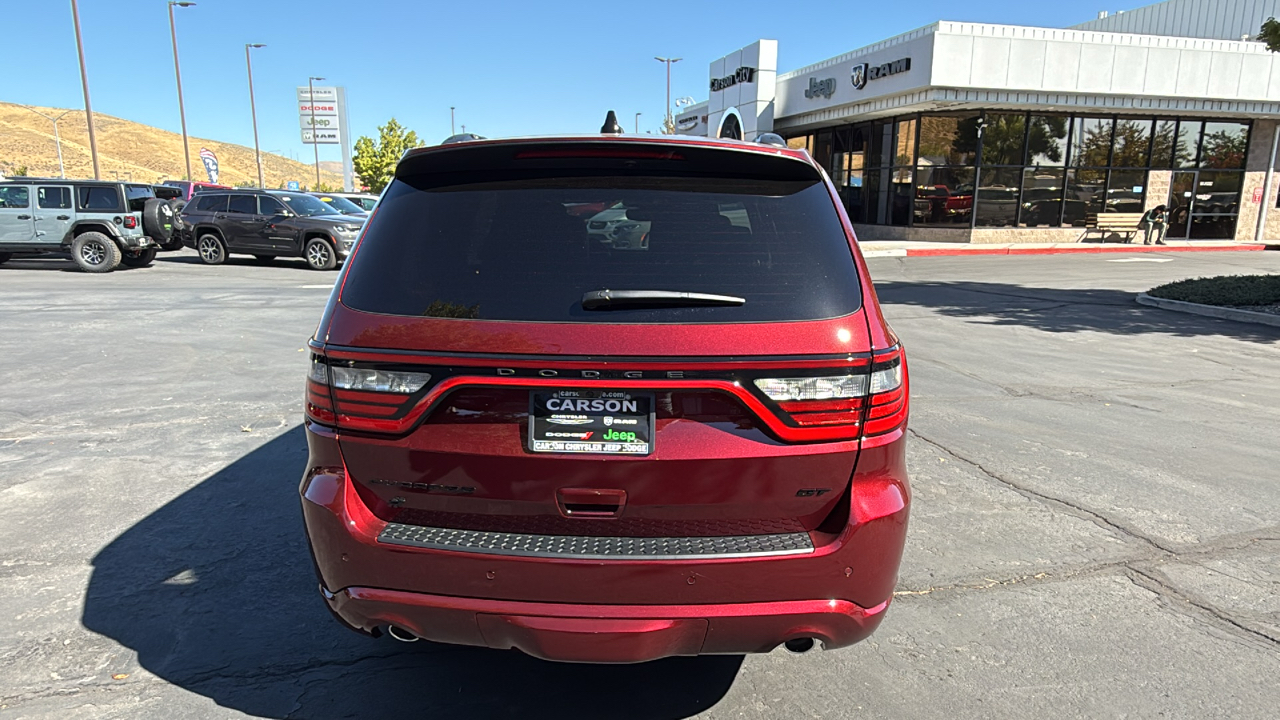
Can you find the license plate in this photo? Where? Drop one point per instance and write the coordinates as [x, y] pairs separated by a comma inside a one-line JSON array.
[[603, 422]]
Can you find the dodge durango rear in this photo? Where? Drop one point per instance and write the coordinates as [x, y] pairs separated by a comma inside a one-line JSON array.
[[607, 399]]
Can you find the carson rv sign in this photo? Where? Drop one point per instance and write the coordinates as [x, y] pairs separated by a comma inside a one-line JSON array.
[[862, 72], [741, 75]]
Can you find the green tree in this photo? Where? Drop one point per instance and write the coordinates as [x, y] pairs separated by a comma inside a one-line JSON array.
[[325, 187], [375, 161], [20, 171], [246, 184], [1270, 34]]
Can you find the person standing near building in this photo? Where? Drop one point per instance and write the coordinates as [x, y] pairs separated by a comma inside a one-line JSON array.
[[1155, 220]]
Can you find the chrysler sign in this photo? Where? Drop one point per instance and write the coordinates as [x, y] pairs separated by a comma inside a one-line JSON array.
[[863, 72]]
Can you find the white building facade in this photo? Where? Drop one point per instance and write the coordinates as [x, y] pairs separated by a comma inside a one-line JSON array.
[[998, 133]]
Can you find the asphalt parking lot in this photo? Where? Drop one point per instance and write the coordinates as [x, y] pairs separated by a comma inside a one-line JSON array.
[[1095, 529]]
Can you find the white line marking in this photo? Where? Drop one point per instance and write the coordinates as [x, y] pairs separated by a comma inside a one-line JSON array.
[[317, 287], [1140, 260]]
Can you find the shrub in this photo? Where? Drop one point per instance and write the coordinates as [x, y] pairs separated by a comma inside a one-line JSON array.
[[1228, 290]]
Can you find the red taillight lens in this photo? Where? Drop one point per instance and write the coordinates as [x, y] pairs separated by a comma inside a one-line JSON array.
[[130, 221], [359, 398], [870, 400], [887, 409]]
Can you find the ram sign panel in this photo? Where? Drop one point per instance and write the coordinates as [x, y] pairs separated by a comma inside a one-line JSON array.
[[321, 137]]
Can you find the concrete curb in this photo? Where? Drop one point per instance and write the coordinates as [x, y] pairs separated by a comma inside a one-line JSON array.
[[1213, 311], [935, 252]]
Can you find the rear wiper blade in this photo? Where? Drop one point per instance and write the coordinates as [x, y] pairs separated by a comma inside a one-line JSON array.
[[611, 299]]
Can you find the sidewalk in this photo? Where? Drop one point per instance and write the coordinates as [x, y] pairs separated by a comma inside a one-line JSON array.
[[874, 248]]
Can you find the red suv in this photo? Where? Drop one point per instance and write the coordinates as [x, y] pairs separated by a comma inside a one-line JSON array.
[[683, 435]]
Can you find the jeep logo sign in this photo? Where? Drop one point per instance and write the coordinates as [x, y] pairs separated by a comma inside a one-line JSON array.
[[862, 72], [741, 75], [826, 87]]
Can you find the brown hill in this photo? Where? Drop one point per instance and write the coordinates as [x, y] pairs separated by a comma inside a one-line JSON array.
[[133, 151]]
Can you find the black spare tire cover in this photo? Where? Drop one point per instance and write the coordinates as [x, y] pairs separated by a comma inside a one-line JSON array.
[[157, 220]]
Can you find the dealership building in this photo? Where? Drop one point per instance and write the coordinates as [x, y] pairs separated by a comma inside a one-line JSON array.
[[977, 132]]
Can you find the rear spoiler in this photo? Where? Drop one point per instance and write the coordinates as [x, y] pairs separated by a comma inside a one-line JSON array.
[[487, 161]]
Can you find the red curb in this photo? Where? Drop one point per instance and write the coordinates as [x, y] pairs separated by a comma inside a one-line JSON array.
[[936, 252]]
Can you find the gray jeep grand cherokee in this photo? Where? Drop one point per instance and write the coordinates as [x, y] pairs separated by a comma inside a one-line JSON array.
[[101, 224]]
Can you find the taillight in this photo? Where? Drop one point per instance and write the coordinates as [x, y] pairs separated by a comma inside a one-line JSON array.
[[130, 221], [359, 398], [869, 401], [887, 408]]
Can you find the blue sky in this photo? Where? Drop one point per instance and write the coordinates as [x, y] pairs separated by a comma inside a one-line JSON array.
[[510, 68]]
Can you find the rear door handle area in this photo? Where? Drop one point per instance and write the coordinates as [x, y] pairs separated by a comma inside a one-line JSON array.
[[24, 217], [598, 503], [64, 217]]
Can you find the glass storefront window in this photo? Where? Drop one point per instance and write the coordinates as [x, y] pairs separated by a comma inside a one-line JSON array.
[[906, 145], [1042, 190], [1085, 191], [944, 196], [948, 139], [900, 195], [1003, 138], [1217, 193], [854, 196], [1091, 142], [871, 199], [799, 142], [1184, 149], [1166, 134], [1224, 145], [822, 147], [1126, 191], [997, 197], [1133, 137], [1047, 140]]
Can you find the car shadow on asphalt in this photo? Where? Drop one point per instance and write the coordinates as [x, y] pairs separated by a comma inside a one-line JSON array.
[[216, 594], [54, 263], [236, 261], [1060, 310]]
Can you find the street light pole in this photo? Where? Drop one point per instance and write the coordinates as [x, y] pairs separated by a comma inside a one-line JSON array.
[[638, 122], [311, 96], [182, 110], [253, 109], [57, 139], [669, 124], [451, 128], [84, 81]]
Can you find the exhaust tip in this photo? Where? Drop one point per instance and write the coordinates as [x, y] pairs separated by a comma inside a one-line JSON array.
[[401, 634], [799, 645]]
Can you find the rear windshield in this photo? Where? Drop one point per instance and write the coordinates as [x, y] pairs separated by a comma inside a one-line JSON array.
[[529, 249], [138, 196]]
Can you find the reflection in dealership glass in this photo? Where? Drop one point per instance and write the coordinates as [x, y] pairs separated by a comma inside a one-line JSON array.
[[613, 228]]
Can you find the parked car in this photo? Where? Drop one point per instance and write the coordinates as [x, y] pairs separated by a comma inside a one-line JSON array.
[[189, 187], [342, 205], [101, 224], [268, 224], [521, 437], [364, 200]]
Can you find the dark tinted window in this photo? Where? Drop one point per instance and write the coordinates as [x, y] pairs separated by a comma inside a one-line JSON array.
[[211, 203], [99, 198], [529, 249], [54, 197], [269, 206], [138, 196], [243, 204], [14, 196]]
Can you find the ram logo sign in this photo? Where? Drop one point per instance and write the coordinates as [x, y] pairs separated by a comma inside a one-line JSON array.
[[863, 72]]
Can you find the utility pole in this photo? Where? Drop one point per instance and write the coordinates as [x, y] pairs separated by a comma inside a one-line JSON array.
[[182, 110], [451, 128], [311, 96], [84, 81], [669, 124], [57, 139], [257, 154]]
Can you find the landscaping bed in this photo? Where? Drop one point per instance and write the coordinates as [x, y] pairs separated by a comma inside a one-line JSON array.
[[1256, 293]]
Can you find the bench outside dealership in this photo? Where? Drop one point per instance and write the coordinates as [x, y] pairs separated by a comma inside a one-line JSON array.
[[976, 132]]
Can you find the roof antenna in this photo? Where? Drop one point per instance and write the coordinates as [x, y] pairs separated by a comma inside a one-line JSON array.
[[611, 126]]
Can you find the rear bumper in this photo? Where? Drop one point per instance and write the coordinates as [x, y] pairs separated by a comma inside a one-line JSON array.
[[607, 633], [611, 609]]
